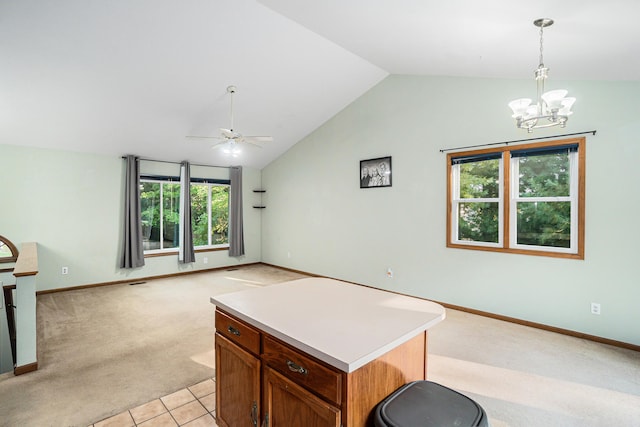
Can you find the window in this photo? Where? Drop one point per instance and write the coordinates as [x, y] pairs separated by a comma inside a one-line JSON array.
[[8, 251], [160, 213], [210, 214], [528, 199]]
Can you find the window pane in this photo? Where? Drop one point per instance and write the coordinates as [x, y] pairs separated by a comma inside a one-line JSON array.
[[170, 215], [544, 224], [544, 175], [480, 179], [478, 222], [219, 215], [199, 214], [150, 210], [5, 252]]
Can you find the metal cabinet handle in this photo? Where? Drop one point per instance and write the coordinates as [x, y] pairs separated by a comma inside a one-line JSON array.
[[233, 330], [296, 368], [254, 414]]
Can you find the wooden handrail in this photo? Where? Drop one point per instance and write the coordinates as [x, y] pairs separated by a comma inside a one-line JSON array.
[[27, 264]]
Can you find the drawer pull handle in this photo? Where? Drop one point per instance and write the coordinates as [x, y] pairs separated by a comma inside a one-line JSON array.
[[296, 368], [233, 330], [254, 414]]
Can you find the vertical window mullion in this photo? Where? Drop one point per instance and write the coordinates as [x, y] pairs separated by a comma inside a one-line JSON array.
[[161, 215], [573, 195], [455, 202], [514, 191], [501, 176], [209, 214]]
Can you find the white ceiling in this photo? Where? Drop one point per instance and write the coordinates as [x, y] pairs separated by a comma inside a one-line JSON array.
[[136, 76]]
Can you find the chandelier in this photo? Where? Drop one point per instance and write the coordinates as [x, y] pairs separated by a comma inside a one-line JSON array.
[[552, 108]]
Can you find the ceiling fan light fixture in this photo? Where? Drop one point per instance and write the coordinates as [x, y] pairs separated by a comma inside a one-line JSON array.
[[552, 108], [231, 148]]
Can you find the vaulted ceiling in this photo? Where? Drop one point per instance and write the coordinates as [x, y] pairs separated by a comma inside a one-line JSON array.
[[118, 77]]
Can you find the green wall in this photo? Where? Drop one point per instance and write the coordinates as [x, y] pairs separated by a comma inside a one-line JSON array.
[[318, 219], [71, 204]]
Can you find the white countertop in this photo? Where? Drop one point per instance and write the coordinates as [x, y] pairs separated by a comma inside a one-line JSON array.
[[342, 324]]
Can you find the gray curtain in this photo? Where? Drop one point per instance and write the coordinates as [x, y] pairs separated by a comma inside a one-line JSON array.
[[236, 233], [186, 253], [132, 250]]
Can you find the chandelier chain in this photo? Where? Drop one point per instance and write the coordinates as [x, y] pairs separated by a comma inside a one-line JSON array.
[[541, 39]]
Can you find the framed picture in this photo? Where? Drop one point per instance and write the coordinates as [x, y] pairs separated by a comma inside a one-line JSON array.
[[375, 172]]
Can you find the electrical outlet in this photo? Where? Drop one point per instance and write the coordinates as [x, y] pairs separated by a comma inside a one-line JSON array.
[[288, 254], [65, 270], [205, 260], [595, 308]]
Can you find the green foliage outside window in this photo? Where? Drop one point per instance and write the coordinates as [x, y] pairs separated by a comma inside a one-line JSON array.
[[151, 194], [478, 221], [150, 200], [171, 215], [219, 214], [544, 223]]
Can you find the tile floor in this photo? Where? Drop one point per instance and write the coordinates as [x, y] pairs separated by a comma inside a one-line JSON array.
[[194, 406]]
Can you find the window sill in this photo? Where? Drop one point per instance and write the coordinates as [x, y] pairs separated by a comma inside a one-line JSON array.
[[579, 255], [170, 253]]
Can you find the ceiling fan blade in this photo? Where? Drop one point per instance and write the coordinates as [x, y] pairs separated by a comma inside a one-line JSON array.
[[255, 144], [258, 138], [202, 137]]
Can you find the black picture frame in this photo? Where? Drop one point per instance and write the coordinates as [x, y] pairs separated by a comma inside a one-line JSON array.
[[375, 173]]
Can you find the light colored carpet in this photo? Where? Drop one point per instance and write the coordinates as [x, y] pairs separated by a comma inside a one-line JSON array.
[[107, 349], [104, 350], [529, 377]]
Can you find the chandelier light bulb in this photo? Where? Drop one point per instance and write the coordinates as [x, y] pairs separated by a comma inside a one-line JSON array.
[[519, 106]]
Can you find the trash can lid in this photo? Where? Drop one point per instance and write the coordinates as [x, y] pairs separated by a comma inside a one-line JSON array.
[[428, 404]]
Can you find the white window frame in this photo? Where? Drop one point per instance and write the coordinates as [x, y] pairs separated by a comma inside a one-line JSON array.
[[210, 245], [571, 198], [161, 213], [456, 201]]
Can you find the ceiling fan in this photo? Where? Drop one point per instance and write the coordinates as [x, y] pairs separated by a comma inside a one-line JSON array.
[[229, 139]]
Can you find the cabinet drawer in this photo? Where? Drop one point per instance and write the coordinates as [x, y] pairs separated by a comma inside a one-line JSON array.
[[303, 370], [238, 332]]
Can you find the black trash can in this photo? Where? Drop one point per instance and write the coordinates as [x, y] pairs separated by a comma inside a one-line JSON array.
[[428, 404]]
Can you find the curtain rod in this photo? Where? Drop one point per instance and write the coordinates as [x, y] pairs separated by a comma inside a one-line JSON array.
[[517, 140], [177, 163]]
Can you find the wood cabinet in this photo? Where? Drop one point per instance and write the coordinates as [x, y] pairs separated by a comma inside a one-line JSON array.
[[261, 380], [238, 391], [287, 404]]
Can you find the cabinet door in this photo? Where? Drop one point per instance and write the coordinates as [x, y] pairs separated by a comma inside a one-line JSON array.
[[286, 404], [237, 385]]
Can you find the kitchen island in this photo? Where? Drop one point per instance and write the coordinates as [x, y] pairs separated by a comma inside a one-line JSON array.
[[316, 352]]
